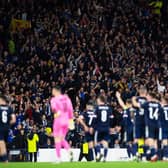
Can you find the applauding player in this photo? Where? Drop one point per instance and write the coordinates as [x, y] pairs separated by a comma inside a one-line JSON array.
[[152, 110], [87, 119], [164, 127], [139, 123], [127, 123], [102, 126]]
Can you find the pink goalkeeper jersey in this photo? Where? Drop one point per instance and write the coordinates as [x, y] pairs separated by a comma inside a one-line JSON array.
[[63, 106]]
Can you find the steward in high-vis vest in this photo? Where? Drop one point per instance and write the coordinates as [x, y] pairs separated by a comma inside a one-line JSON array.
[[32, 146]]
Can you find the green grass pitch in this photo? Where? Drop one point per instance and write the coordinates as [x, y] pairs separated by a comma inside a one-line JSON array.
[[86, 165]]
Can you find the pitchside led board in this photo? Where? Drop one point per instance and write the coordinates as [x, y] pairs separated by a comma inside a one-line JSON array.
[[48, 155], [113, 155]]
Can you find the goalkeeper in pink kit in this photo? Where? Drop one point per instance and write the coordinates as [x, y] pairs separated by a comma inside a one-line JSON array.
[[63, 119]]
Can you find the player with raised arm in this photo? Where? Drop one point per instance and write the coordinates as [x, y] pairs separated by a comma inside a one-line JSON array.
[[164, 127], [63, 119], [128, 123], [152, 110], [7, 117], [87, 119], [104, 115]]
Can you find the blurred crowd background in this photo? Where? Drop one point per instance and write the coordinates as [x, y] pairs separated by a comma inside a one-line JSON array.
[[88, 48]]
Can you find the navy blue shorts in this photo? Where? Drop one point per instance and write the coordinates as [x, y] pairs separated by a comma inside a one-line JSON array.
[[3, 135], [163, 133], [128, 135], [102, 136], [89, 137], [139, 131], [151, 131]]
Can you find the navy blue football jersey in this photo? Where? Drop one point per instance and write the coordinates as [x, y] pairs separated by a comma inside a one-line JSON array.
[[164, 117], [103, 117], [89, 117], [127, 118], [5, 114], [152, 111], [139, 113]]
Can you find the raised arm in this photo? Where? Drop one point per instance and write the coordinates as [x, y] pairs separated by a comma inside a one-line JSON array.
[[120, 101], [135, 103]]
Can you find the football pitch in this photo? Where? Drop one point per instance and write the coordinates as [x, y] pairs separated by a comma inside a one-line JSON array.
[[87, 165]]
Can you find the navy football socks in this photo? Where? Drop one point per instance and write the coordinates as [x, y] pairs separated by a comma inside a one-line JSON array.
[[134, 149], [129, 151], [91, 157], [97, 150], [165, 151], [105, 153]]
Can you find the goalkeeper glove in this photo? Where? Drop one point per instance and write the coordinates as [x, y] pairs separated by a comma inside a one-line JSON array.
[[71, 124]]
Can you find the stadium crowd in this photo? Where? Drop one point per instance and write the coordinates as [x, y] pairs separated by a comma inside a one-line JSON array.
[[88, 48]]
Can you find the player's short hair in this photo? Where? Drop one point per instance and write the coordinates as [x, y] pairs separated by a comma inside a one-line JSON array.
[[57, 87], [4, 98], [102, 98], [90, 103], [143, 89], [154, 95]]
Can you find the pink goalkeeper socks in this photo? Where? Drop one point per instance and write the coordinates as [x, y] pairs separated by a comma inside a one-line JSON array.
[[58, 149], [58, 146], [65, 144]]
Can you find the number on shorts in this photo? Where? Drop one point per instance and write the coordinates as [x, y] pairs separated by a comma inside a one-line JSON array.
[[4, 117]]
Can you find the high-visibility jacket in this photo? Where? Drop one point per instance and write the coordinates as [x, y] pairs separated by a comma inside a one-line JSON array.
[[32, 144]]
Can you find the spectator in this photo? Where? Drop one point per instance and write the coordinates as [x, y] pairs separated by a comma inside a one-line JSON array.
[[48, 144], [20, 142], [87, 47]]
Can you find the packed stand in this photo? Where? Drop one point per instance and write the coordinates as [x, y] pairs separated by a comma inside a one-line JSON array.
[[87, 47]]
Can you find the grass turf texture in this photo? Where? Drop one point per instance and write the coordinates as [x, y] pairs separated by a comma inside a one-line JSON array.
[[87, 165]]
